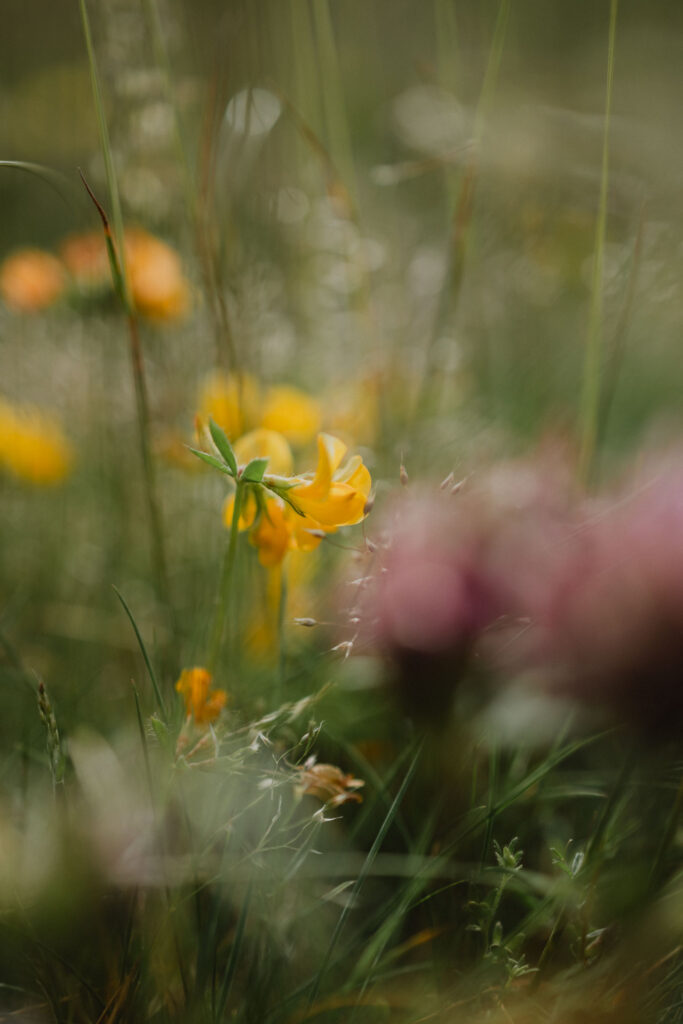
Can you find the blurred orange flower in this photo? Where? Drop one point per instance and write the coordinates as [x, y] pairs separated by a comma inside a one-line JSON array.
[[157, 283], [201, 702], [31, 279], [158, 286], [85, 258]]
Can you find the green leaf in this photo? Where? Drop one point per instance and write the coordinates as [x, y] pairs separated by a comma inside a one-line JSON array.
[[145, 655], [211, 460], [220, 439], [254, 470]]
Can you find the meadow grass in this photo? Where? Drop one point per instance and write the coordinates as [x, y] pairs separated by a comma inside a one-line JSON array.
[[340, 639]]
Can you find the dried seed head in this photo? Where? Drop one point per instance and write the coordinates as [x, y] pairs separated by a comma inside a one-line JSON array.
[[306, 622], [369, 504], [403, 475], [448, 481]]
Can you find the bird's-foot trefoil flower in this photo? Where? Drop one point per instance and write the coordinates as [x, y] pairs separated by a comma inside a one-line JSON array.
[[285, 512]]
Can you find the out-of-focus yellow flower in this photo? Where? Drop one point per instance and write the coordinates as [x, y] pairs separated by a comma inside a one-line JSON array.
[[31, 279], [263, 443], [85, 257], [33, 446], [329, 498], [230, 401], [157, 283], [272, 535], [293, 413], [328, 783], [201, 702]]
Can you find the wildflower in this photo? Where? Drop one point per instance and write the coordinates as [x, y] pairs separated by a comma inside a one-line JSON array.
[[296, 512], [610, 632], [334, 496], [201, 702], [158, 287], [157, 284], [458, 576], [31, 279], [33, 446], [293, 413], [85, 258], [328, 783], [230, 401]]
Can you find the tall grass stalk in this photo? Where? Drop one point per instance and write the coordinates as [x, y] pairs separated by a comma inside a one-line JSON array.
[[461, 200], [198, 203], [336, 119], [117, 255], [592, 367]]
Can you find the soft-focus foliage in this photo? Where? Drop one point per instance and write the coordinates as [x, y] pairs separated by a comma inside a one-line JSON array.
[[341, 489]]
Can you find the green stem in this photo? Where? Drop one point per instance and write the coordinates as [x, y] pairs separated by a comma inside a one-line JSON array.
[[590, 392], [223, 595], [142, 404], [281, 614]]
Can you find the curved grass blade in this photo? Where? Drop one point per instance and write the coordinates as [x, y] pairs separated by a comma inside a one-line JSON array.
[[143, 649]]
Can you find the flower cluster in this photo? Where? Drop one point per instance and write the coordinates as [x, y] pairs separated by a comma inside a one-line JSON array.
[[31, 279], [33, 446], [518, 576], [238, 405]]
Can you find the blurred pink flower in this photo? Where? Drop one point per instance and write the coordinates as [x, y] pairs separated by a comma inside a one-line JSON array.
[[611, 633]]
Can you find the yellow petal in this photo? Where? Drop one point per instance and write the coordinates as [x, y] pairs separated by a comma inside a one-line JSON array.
[[356, 474], [330, 453], [265, 444], [272, 534]]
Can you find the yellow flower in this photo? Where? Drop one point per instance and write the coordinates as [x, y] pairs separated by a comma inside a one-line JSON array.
[[333, 497], [33, 446], [293, 413], [201, 703], [272, 534], [230, 401], [157, 284], [329, 498], [265, 444], [31, 279]]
